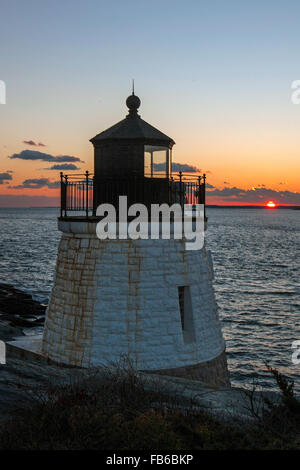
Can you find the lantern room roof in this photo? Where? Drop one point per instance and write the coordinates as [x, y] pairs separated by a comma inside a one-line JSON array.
[[134, 127]]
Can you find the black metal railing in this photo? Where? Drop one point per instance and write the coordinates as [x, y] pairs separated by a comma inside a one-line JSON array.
[[81, 194], [187, 188], [76, 194]]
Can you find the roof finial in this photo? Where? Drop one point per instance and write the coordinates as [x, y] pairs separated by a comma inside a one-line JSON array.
[[133, 102]]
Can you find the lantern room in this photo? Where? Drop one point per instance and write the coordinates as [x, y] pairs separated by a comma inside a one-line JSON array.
[[134, 159], [128, 156]]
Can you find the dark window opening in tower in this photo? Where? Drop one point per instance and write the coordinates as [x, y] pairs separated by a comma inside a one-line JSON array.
[[181, 304], [186, 313]]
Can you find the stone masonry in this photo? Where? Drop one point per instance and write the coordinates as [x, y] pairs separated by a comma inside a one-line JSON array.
[[116, 298]]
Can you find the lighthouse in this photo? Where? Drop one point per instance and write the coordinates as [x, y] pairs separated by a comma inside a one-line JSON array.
[[149, 300]]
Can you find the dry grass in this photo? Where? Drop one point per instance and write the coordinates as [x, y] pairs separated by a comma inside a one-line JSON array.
[[116, 410]]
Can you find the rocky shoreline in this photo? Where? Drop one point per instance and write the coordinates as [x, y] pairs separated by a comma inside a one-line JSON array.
[[20, 378], [18, 312]]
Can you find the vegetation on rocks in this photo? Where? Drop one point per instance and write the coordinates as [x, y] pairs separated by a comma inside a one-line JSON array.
[[118, 411]]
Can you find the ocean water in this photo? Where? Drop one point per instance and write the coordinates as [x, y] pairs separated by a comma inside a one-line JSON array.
[[257, 279], [257, 283]]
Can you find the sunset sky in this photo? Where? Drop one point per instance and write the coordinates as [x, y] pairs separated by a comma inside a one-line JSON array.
[[215, 76]]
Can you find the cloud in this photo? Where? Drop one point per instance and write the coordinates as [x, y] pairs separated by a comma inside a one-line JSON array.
[[37, 184], [209, 186], [33, 143], [177, 167], [22, 200], [185, 167], [260, 195], [4, 177], [35, 155], [63, 166]]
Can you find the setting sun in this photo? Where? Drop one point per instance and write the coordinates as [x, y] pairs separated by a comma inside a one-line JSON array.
[[271, 204]]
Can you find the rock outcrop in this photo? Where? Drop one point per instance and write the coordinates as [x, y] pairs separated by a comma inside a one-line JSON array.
[[18, 310]]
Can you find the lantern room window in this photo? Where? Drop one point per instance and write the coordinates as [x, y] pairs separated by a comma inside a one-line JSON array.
[[157, 161]]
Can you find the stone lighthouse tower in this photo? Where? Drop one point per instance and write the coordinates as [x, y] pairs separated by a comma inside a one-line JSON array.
[[150, 300]]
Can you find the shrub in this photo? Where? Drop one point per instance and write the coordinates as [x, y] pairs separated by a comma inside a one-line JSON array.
[[117, 411]]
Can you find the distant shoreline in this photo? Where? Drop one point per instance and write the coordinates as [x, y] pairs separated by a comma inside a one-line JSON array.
[[215, 206], [210, 206]]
